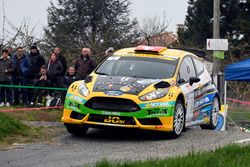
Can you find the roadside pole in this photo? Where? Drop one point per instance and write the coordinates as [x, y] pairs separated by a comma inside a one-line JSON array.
[[216, 35], [218, 46]]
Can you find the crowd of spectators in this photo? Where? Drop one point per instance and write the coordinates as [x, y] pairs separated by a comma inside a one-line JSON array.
[[31, 69]]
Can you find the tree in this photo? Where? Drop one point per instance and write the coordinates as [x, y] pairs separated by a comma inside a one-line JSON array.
[[235, 22], [73, 24], [198, 24], [152, 27], [234, 26]]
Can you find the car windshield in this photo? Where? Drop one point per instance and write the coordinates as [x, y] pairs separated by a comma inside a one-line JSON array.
[[141, 67]]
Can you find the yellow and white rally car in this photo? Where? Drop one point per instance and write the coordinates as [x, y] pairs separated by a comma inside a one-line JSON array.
[[147, 87]]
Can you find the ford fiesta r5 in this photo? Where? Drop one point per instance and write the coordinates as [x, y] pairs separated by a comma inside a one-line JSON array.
[[151, 88]]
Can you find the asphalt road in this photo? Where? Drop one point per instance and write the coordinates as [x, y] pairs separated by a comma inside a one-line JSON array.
[[67, 150]]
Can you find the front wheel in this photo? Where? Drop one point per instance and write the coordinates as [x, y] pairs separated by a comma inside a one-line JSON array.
[[179, 119], [76, 130], [213, 115]]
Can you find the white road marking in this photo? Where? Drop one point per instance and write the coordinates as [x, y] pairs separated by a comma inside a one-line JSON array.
[[242, 141]]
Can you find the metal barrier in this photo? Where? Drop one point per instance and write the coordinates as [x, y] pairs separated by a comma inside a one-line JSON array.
[[32, 87]]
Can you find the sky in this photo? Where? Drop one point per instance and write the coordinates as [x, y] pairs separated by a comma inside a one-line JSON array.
[[35, 12]]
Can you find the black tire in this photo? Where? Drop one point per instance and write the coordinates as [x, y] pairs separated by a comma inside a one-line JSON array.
[[76, 129], [213, 115], [179, 119]]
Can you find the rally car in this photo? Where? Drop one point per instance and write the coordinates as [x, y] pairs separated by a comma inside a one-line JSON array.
[[146, 87]]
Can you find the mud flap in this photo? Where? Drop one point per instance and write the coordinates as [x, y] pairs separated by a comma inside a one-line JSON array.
[[221, 126]]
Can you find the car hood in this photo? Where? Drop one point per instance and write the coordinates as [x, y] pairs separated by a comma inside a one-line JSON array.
[[128, 85]]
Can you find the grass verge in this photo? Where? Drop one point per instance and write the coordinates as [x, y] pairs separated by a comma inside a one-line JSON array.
[[13, 130], [11, 126], [233, 155], [45, 115], [239, 116]]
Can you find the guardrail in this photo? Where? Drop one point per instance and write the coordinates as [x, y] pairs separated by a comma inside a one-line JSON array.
[[33, 87]]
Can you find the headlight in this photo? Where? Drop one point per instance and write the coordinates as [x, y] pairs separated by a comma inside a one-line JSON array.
[[159, 93], [83, 90]]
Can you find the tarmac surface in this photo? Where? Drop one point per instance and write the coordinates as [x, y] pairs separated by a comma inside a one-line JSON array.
[[115, 145]]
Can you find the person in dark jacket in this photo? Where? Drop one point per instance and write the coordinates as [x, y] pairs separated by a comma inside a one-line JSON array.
[[21, 65], [36, 62], [54, 68], [5, 78], [68, 79], [84, 64], [62, 59], [43, 81]]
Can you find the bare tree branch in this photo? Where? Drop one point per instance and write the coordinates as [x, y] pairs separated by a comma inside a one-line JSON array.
[[153, 26]]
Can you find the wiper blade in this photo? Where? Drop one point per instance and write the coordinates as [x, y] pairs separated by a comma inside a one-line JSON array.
[[142, 77], [101, 73]]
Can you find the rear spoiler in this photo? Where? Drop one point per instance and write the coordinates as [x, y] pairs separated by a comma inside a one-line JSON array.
[[198, 53]]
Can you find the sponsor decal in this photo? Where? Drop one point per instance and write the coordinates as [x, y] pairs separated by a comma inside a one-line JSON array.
[[113, 58], [157, 104], [114, 120], [125, 79], [110, 113], [204, 90], [126, 88], [201, 102], [113, 93], [158, 112], [205, 111], [110, 86], [76, 98], [117, 83], [147, 81]]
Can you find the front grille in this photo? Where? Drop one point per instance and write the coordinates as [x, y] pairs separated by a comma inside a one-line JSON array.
[[111, 119], [112, 104], [77, 115], [150, 121]]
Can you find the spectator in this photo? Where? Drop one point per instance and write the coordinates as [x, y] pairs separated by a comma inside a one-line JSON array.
[[68, 79], [10, 51], [43, 81], [109, 52], [5, 78], [36, 62], [54, 68], [84, 64], [62, 59], [21, 66]]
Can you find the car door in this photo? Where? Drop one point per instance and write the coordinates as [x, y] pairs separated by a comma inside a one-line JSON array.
[[202, 96], [186, 71]]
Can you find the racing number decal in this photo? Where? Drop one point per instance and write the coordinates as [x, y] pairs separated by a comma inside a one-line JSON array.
[[114, 120]]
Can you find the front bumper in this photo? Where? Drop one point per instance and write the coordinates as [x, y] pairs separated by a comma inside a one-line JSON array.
[[151, 116]]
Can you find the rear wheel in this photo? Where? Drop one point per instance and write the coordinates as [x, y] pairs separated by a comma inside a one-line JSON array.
[[213, 115], [179, 119], [76, 129]]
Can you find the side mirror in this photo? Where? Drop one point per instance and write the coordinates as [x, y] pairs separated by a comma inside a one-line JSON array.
[[193, 80], [180, 81]]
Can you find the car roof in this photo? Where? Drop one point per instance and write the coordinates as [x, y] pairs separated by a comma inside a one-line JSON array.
[[163, 52]]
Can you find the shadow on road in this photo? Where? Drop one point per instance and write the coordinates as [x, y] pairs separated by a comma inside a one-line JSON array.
[[121, 134]]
